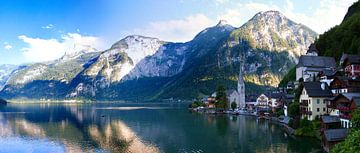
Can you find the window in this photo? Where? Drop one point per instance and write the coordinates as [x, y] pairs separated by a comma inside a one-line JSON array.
[[324, 109], [309, 102], [318, 109], [317, 101]]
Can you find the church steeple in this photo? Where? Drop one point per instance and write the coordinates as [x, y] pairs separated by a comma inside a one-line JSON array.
[[241, 84]]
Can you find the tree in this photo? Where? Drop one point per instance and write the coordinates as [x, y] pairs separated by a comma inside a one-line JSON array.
[[233, 105], [355, 120], [221, 98], [294, 110]]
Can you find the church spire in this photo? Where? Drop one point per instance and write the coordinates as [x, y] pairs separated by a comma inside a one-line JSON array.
[[241, 84]]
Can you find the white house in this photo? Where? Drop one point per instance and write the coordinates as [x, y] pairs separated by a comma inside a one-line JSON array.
[[313, 99]]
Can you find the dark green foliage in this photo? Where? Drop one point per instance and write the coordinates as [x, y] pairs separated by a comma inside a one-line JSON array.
[[290, 76], [355, 120], [233, 105], [294, 109], [308, 128], [197, 104], [279, 112], [350, 145], [298, 91], [344, 38], [221, 98]]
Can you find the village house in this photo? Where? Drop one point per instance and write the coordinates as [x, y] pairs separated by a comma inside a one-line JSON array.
[[351, 65], [343, 105], [276, 100], [344, 85], [250, 103], [262, 103], [333, 136], [330, 122], [312, 99], [286, 100]]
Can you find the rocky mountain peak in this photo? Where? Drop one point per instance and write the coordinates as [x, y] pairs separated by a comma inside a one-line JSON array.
[[222, 23]]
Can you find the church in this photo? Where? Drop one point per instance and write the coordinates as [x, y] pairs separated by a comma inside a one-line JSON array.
[[238, 96]]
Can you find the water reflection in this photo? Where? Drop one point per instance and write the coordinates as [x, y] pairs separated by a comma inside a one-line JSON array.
[[123, 128], [73, 128]]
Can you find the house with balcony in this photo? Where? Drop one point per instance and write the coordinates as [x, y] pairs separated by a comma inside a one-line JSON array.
[[262, 103], [351, 65], [343, 105], [313, 100], [342, 84], [309, 67]]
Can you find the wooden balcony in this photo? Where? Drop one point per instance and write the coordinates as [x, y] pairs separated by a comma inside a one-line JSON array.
[[305, 112]]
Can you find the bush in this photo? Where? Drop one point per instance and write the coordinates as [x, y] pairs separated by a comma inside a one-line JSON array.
[[308, 129]]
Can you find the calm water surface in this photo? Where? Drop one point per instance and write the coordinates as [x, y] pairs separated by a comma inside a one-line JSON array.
[[137, 128]]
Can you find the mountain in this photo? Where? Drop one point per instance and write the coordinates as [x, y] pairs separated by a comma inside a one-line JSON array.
[[141, 68], [192, 69], [48, 79], [113, 64], [5, 73], [343, 38]]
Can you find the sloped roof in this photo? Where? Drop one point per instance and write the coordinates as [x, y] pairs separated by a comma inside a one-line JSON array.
[[335, 134], [277, 95], [350, 96], [330, 119], [312, 49], [314, 89], [346, 81], [228, 92], [351, 58], [316, 61]]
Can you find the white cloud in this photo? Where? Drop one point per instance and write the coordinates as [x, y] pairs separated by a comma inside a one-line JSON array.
[[49, 26], [219, 2], [7, 46], [177, 30], [328, 14], [39, 50]]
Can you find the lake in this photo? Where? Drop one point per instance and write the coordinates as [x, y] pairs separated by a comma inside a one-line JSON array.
[[112, 127]]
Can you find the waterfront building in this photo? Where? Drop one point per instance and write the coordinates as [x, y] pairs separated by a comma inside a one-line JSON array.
[[312, 99], [333, 136], [330, 122], [262, 104], [343, 105]]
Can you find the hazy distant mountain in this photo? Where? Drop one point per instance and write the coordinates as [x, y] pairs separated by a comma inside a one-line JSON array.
[[142, 68]]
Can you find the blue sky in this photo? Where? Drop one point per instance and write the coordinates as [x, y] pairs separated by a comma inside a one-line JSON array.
[[36, 31]]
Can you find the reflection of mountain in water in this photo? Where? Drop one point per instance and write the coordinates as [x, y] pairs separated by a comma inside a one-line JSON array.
[[75, 128], [116, 128]]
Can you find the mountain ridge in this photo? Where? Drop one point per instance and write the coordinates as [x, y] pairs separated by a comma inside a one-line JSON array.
[[145, 68]]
